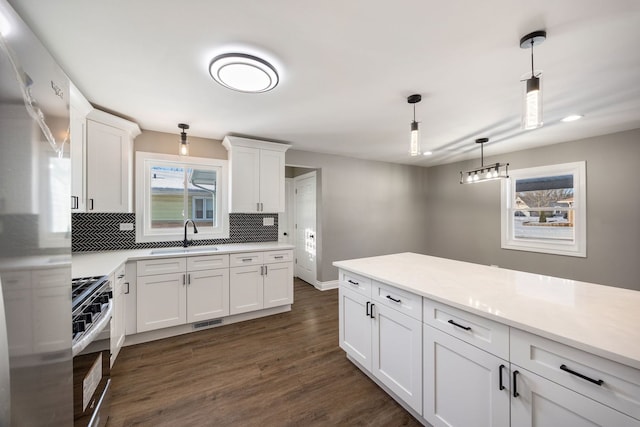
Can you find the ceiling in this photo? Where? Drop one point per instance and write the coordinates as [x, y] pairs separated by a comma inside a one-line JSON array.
[[347, 68]]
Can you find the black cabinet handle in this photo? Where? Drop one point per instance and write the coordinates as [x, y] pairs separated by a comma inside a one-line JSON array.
[[91, 200], [368, 308], [371, 315], [127, 291], [500, 375], [353, 283], [393, 299], [466, 328], [515, 384], [578, 374]]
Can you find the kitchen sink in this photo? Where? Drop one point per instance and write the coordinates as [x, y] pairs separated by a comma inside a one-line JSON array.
[[189, 250]]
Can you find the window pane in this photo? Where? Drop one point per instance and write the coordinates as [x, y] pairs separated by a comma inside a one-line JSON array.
[[544, 224], [201, 190], [167, 197]]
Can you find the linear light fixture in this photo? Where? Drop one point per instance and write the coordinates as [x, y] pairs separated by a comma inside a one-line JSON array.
[[484, 172], [414, 147], [183, 147], [532, 101]]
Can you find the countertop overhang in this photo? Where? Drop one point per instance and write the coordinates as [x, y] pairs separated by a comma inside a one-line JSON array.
[[600, 319]]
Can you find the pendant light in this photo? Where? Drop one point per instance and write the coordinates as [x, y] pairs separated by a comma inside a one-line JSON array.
[[414, 147], [532, 101], [484, 172], [183, 147]]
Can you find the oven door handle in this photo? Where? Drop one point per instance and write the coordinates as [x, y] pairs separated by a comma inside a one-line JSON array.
[[94, 331]]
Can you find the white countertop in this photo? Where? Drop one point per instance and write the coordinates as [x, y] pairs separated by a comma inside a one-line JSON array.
[[84, 264], [603, 320]]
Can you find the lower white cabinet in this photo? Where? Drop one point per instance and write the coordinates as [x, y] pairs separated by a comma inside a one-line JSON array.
[[537, 401], [260, 280], [463, 385], [385, 342], [186, 290], [118, 281]]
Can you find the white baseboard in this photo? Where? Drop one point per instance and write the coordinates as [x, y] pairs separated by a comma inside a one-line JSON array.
[[325, 286]]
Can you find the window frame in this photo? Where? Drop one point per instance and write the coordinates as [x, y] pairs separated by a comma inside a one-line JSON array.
[[576, 248], [204, 207], [144, 162]]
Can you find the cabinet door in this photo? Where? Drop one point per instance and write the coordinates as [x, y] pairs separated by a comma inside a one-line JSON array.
[[355, 326], [118, 319], [278, 284], [107, 168], [161, 301], [462, 384], [245, 179], [207, 294], [245, 289], [397, 353], [77, 136], [544, 403], [272, 194]]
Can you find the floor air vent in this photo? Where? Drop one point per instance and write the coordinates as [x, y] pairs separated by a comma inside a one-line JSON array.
[[206, 324]]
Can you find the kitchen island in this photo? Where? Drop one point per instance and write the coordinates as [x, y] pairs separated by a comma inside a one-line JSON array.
[[479, 335]]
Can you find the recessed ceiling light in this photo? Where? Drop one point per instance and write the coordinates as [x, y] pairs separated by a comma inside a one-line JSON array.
[[427, 153], [244, 73], [572, 118]]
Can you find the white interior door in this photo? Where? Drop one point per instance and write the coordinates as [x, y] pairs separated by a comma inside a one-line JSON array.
[[305, 226]]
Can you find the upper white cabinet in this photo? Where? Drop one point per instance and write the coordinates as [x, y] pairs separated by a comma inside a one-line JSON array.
[[101, 158], [78, 110], [109, 162], [257, 181]]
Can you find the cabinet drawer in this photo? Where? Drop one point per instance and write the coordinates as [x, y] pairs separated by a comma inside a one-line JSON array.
[[161, 266], [278, 256], [355, 282], [247, 258], [207, 262], [403, 301], [620, 387], [476, 330]]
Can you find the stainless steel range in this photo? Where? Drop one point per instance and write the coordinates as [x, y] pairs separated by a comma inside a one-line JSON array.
[[92, 307]]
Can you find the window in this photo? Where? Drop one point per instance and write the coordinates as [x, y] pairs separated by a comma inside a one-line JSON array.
[[544, 210], [175, 189]]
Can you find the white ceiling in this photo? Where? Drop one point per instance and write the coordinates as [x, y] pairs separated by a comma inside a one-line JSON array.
[[347, 68]]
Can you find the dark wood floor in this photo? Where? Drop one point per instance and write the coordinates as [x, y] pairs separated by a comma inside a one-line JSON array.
[[282, 370]]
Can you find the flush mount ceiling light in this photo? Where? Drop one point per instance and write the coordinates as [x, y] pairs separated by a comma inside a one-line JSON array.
[[484, 172], [532, 107], [183, 146], [243, 72], [414, 147]]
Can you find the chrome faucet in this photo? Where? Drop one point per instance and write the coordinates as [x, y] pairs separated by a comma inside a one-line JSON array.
[[186, 242]]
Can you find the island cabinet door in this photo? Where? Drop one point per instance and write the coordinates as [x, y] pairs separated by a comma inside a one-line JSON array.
[[540, 402], [355, 326], [463, 385], [397, 353]]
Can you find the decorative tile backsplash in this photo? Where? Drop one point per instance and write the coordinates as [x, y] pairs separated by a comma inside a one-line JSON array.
[[101, 232]]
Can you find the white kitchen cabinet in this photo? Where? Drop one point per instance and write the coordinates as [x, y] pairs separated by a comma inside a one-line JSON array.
[[463, 385], [382, 337], [109, 162], [260, 280], [257, 181], [537, 401], [78, 109], [118, 281], [176, 291]]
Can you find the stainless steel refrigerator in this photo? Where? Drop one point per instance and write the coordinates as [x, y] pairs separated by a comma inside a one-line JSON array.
[[35, 233]]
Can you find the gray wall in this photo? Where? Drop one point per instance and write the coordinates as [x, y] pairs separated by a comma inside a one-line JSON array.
[[365, 208], [464, 220]]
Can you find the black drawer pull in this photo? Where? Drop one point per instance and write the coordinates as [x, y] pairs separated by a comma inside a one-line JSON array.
[[584, 377], [393, 299], [353, 283], [515, 384], [466, 328], [500, 375]]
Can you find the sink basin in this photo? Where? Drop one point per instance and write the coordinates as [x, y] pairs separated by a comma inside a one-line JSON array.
[[189, 250]]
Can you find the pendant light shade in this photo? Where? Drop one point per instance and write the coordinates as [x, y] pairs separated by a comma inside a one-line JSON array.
[[183, 146], [532, 98], [414, 146]]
